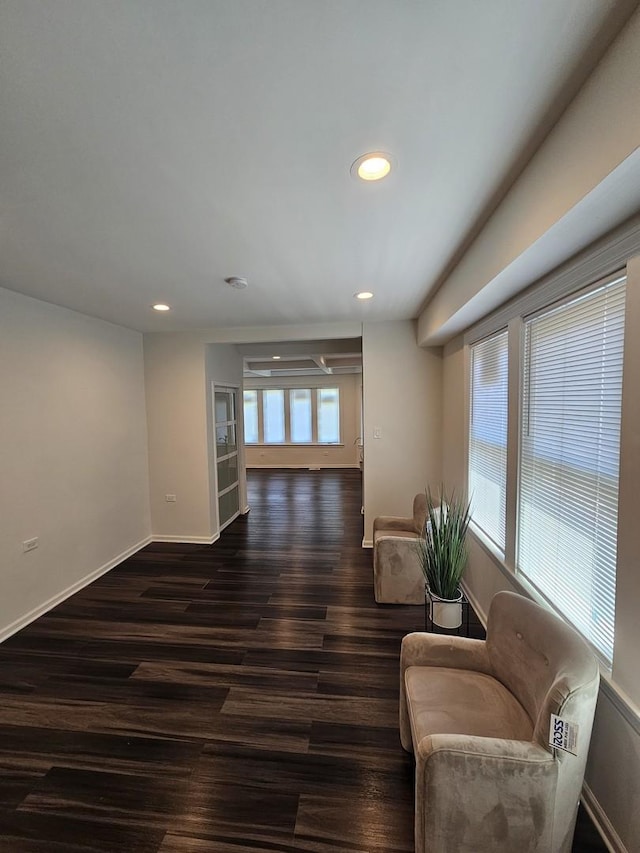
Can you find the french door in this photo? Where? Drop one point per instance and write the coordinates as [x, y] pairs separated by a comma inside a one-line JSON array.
[[225, 413]]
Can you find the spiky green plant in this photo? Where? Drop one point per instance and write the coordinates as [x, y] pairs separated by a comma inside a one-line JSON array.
[[442, 549]]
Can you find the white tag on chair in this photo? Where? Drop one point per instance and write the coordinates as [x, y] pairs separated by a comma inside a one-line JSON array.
[[563, 734]]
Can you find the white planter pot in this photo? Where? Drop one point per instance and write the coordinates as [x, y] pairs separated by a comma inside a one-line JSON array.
[[445, 613]]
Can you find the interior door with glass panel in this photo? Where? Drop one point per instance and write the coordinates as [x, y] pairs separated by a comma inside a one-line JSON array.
[[226, 429]]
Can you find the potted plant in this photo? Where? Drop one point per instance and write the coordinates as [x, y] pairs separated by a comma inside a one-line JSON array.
[[442, 552]]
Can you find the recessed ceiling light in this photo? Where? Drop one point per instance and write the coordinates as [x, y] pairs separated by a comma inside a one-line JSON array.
[[372, 167], [364, 294], [275, 357], [160, 306], [236, 282]]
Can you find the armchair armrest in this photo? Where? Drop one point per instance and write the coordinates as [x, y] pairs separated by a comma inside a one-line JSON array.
[[422, 648], [466, 786], [392, 522], [426, 649], [397, 574], [475, 747]]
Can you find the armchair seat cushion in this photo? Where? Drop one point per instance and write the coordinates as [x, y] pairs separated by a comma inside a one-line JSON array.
[[457, 701]]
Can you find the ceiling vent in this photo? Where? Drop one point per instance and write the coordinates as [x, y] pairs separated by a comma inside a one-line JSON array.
[[237, 282]]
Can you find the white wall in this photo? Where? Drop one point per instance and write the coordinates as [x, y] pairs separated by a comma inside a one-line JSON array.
[[73, 452], [179, 369], [598, 132], [344, 455], [402, 398], [177, 420]]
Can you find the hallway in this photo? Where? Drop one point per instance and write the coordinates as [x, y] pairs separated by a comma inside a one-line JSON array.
[[233, 698]]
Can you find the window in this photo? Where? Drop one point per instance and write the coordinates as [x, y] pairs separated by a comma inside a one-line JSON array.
[[569, 455], [328, 416], [300, 413], [251, 417], [488, 436], [273, 415], [292, 416]]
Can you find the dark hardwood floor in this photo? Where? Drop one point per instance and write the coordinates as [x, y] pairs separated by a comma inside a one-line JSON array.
[[234, 698]]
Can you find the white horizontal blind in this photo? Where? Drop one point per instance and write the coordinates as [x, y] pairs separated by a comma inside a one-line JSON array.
[[300, 415], [273, 415], [328, 415], [488, 436], [569, 458], [251, 417]]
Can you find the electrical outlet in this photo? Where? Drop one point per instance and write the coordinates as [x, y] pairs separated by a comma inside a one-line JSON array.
[[30, 544], [171, 499]]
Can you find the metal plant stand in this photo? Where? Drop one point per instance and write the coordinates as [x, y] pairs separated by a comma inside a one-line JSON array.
[[461, 631]]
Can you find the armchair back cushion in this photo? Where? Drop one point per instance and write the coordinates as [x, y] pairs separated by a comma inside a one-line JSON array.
[[541, 660], [419, 512]]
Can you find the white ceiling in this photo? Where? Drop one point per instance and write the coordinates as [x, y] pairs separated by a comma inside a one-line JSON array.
[[151, 148]]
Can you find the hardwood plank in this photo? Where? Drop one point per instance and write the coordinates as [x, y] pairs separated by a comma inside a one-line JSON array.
[[221, 812], [26, 832], [108, 797], [28, 748], [288, 706], [354, 824], [227, 675]]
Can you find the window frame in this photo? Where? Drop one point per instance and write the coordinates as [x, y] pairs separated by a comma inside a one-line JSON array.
[[499, 546]]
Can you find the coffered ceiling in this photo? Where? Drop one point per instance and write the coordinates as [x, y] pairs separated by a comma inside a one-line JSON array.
[[302, 358], [151, 148]]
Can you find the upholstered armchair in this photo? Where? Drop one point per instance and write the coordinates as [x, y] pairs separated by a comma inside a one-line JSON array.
[[476, 715], [397, 576]]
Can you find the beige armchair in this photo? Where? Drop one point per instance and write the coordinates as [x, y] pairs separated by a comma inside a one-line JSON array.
[[397, 576], [476, 715]]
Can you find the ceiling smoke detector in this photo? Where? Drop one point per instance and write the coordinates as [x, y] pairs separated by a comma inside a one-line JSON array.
[[237, 282]]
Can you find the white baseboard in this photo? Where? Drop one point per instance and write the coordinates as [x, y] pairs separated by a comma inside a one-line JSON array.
[[601, 821], [367, 543], [482, 616], [187, 540], [43, 608], [305, 466]]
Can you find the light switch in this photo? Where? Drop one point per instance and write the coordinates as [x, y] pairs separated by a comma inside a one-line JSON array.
[[377, 432]]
